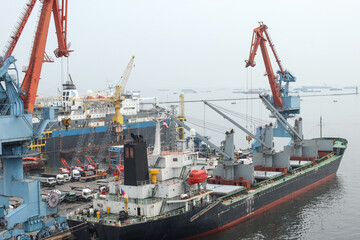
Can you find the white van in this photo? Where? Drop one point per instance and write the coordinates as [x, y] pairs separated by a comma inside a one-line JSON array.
[[60, 179]]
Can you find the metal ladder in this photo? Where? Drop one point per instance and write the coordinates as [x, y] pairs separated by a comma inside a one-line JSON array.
[[155, 190], [196, 216], [162, 207]]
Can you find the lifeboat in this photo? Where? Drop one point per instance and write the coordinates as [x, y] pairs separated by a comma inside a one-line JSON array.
[[197, 176]]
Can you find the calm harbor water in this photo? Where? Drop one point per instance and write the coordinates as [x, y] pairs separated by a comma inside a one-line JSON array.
[[330, 211]]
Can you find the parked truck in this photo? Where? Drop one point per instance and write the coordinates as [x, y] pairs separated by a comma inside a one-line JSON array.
[[75, 175], [67, 177], [48, 182], [70, 197], [60, 179], [86, 195]]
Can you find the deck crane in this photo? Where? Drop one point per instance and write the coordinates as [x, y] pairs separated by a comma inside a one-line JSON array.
[[266, 146], [119, 90], [287, 105], [16, 127]]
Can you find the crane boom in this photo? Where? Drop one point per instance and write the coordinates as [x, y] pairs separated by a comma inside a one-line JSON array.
[[25, 14], [30, 83], [60, 19], [259, 39], [119, 90], [285, 104], [237, 124], [126, 74]]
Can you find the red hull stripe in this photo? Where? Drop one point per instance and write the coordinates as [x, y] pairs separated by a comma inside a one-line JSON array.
[[266, 207]]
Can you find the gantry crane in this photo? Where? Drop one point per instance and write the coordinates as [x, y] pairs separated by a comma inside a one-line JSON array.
[[285, 104], [16, 127], [119, 90]]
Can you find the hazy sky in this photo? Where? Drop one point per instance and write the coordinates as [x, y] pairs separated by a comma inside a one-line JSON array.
[[196, 43]]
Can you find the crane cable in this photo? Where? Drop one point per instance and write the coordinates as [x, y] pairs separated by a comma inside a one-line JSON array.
[[257, 121], [251, 105], [209, 126], [247, 99]]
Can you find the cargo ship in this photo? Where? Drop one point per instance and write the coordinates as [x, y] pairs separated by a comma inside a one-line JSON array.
[[180, 203], [91, 123]]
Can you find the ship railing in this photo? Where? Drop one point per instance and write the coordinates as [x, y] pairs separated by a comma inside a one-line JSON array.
[[141, 219], [137, 201], [269, 180], [167, 214]]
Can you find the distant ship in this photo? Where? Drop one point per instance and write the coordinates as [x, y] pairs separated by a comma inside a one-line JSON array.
[[187, 90], [251, 91], [91, 123]]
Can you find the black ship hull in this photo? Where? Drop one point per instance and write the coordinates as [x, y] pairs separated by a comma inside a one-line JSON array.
[[62, 145], [218, 218]]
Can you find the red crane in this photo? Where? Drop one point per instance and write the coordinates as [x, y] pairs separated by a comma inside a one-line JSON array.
[[258, 38], [30, 83], [92, 163], [18, 30], [80, 165], [65, 168]]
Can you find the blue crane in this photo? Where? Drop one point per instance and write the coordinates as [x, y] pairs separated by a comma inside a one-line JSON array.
[[17, 130]]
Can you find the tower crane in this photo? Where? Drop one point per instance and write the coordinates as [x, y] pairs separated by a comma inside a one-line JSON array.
[[287, 105], [119, 90], [16, 127]]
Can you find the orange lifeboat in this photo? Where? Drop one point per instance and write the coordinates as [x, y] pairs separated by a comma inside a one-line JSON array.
[[197, 176]]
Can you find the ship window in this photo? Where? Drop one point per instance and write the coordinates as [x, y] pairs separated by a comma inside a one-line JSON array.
[[131, 153], [127, 152], [175, 159], [67, 94], [64, 93]]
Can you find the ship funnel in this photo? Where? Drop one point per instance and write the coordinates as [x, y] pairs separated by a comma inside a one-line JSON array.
[[136, 170]]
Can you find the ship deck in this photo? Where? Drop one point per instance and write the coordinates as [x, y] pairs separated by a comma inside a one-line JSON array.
[[277, 179], [231, 194]]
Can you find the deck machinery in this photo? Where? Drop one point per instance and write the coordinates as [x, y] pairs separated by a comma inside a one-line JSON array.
[[16, 127]]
